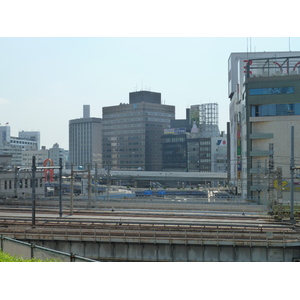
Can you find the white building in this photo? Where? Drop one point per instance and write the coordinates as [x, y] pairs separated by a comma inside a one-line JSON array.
[[31, 136], [219, 153], [15, 146], [19, 185], [85, 140], [4, 136], [264, 92], [55, 153], [40, 157]]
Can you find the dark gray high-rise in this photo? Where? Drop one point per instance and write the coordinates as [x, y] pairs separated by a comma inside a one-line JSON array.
[[131, 132]]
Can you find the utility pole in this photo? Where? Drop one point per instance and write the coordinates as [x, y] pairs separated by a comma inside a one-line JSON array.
[[60, 187], [292, 168], [108, 180], [89, 185], [16, 182], [271, 177], [279, 184], [96, 182], [71, 190], [258, 182], [33, 168]]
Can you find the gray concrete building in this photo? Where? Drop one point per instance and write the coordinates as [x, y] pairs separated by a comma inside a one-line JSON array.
[[85, 140], [16, 146], [131, 132], [31, 136], [197, 146]]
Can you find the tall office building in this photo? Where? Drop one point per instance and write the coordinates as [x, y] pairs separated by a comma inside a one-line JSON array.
[[264, 92], [85, 140], [195, 146], [131, 132]]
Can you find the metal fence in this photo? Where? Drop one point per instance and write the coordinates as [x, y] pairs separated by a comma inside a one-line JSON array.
[[30, 251]]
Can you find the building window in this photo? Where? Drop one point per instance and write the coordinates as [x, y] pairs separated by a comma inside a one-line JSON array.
[[275, 110], [272, 91]]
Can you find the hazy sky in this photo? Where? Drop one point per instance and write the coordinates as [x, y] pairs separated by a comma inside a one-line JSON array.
[[46, 81], [56, 58]]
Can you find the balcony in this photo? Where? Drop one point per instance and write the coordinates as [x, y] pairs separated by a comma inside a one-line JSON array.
[[257, 136], [259, 153]]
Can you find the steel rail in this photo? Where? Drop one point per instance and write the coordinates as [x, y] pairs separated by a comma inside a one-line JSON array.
[[153, 222], [150, 236]]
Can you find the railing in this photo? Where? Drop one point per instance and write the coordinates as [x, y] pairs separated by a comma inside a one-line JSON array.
[[30, 251], [210, 234]]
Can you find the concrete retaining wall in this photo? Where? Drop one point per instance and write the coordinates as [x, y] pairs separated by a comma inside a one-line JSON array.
[[115, 251]]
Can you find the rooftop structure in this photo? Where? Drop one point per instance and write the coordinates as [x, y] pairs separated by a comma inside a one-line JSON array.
[[131, 132]]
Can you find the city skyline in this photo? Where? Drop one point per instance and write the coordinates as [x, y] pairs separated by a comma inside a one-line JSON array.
[[46, 81]]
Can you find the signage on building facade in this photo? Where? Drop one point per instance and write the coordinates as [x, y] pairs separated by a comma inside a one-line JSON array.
[[221, 143], [174, 130], [239, 162]]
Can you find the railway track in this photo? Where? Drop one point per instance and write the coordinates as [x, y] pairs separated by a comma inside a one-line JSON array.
[[196, 234], [197, 231], [140, 225], [154, 204]]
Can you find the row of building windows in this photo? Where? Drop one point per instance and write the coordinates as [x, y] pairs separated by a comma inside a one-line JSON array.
[[205, 149], [203, 160], [158, 120], [23, 183], [117, 126], [272, 91], [22, 142], [275, 110], [141, 162], [135, 113], [205, 143], [127, 132], [125, 120], [175, 140]]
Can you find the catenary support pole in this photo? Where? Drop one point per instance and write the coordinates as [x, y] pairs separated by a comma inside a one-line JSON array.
[[72, 189], [33, 168], [89, 185], [60, 187], [292, 167]]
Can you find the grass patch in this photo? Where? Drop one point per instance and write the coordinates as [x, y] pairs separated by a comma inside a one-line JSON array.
[[5, 257]]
